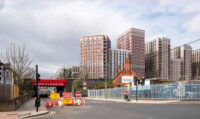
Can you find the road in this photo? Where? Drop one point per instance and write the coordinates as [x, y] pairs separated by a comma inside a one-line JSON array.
[[113, 110]]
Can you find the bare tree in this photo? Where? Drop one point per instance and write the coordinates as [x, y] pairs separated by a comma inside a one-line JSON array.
[[64, 73], [20, 62]]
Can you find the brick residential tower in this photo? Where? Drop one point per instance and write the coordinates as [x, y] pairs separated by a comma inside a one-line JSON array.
[[95, 58], [133, 40]]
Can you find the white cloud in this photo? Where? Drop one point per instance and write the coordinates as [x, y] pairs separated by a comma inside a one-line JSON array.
[[52, 30], [193, 26]]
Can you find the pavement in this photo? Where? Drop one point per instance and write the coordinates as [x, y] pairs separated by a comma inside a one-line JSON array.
[[27, 110], [138, 101], [147, 101]]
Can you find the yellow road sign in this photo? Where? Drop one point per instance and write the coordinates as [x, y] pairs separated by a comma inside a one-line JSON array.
[[55, 96]]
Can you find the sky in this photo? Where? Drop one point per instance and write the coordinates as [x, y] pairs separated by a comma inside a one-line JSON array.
[[51, 29]]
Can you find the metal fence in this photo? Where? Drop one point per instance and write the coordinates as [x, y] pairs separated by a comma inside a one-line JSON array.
[[151, 92]]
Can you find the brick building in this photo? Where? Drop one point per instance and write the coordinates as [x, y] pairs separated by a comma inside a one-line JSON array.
[[157, 59], [95, 56], [134, 41], [196, 64]]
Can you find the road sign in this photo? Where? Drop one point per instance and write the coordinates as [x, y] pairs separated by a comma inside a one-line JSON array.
[[126, 93], [78, 94], [55, 96]]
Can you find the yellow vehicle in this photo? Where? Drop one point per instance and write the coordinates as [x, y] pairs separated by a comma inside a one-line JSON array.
[[68, 101]]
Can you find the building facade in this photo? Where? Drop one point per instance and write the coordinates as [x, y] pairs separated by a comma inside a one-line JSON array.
[[75, 71], [127, 71], [196, 64], [157, 58], [175, 69], [95, 56], [118, 57], [134, 41], [6, 74], [185, 54]]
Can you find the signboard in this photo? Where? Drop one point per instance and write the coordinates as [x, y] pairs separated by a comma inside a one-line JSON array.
[[127, 79], [49, 82], [55, 96]]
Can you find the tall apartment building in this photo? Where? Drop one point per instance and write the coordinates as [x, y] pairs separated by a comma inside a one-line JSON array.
[[133, 40], [157, 59], [196, 64], [95, 58], [185, 54], [175, 69], [118, 57]]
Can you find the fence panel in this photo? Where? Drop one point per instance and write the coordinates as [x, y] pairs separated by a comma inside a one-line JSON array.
[[5, 91], [151, 92]]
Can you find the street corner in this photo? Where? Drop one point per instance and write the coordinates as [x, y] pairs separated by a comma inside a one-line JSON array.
[[23, 115]]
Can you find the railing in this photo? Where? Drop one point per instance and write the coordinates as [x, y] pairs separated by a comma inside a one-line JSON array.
[[151, 92]]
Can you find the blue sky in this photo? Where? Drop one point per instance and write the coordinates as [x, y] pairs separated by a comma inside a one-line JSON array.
[[52, 29]]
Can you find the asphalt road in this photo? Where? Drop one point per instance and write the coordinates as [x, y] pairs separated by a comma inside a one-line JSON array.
[[113, 110]]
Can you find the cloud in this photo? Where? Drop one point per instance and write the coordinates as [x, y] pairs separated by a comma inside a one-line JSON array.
[[193, 26], [52, 29]]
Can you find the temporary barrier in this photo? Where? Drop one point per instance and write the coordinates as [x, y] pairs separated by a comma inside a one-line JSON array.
[[179, 91], [68, 98], [78, 94], [68, 101]]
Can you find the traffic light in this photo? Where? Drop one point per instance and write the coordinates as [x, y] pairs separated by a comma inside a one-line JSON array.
[[37, 76], [142, 81]]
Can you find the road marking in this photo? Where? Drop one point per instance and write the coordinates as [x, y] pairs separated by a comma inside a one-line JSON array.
[[96, 102], [52, 112]]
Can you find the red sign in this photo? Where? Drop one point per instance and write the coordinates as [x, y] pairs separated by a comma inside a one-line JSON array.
[[78, 94], [126, 93], [49, 82], [67, 94]]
